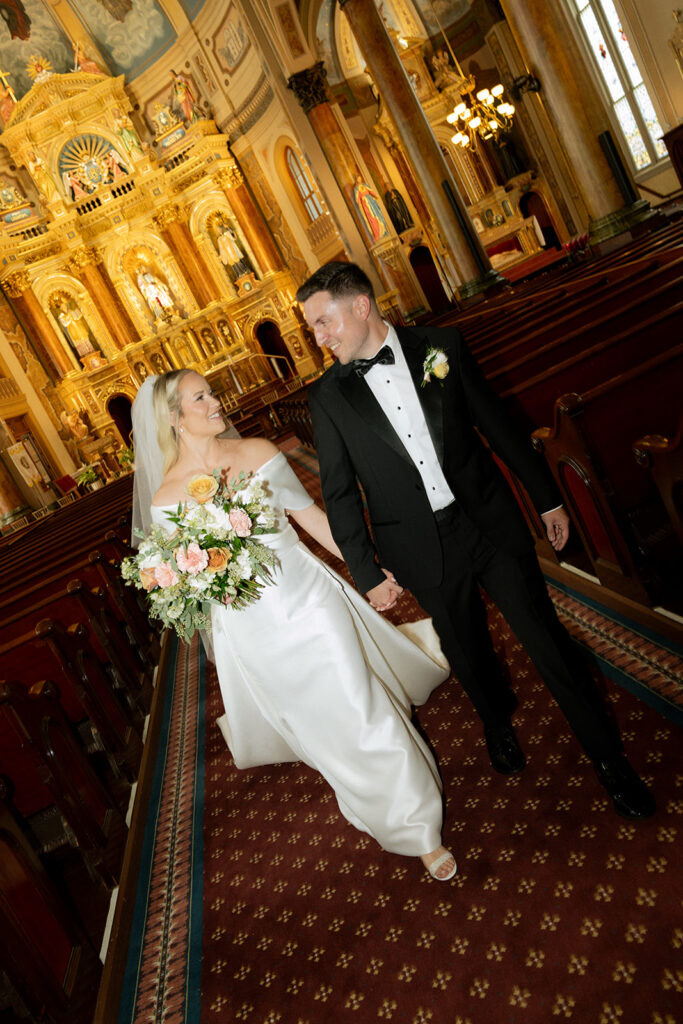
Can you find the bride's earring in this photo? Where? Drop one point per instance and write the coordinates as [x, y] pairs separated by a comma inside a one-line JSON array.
[[180, 430]]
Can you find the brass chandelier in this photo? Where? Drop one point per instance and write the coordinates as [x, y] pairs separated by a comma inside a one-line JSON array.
[[486, 114]]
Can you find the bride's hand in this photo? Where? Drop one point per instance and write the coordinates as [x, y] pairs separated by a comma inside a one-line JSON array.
[[385, 594]]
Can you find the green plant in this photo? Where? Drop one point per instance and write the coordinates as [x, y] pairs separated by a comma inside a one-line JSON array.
[[86, 475], [126, 457]]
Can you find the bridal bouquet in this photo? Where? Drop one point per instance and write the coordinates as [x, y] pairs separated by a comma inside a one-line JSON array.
[[211, 556]]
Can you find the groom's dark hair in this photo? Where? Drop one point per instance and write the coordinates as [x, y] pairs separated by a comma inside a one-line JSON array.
[[339, 279]]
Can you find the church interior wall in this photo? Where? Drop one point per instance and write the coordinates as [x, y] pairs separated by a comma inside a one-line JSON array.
[[235, 62]]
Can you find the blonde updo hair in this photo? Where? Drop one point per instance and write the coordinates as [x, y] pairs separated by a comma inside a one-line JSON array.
[[167, 414]]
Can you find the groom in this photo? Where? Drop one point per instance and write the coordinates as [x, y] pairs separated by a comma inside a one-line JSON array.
[[400, 413]]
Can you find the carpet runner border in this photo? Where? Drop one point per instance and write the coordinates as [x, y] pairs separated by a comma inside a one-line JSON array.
[[163, 973], [643, 662]]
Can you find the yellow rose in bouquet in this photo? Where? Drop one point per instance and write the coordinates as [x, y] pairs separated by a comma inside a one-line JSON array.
[[202, 488]]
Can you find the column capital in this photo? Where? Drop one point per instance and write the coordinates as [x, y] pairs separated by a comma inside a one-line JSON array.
[[310, 86], [83, 257], [16, 283], [171, 213], [229, 177]]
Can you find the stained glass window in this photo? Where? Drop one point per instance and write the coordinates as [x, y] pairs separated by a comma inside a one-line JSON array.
[[618, 69], [304, 187]]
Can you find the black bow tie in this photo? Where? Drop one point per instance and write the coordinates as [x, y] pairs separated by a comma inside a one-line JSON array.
[[385, 356]]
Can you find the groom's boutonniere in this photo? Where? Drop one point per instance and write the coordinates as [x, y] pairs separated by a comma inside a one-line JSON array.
[[436, 362]]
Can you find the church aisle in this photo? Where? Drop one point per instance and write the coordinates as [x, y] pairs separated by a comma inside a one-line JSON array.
[[560, 909]]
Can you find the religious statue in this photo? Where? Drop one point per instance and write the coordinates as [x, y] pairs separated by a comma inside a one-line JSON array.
[[74, 326], [75, 423], [446, 74], [158, 364], [183, 102], [41, 177], [126, 132], [155, 293], [73, 186], [506, 152], [116, 167], [370, 209], [8, 100], [398, 211], [83, 63], [231, 253]]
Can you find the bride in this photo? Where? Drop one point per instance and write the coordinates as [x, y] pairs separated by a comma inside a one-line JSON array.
[[309, 671]]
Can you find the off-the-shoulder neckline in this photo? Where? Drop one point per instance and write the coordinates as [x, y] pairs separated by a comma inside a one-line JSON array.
[[263, 465]]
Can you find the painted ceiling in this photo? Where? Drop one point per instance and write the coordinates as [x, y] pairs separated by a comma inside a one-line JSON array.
[[121, 36]]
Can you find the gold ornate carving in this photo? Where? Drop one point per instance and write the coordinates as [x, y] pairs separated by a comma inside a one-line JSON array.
[[229, 177], [171, 213], [16, 284], [84, 257]]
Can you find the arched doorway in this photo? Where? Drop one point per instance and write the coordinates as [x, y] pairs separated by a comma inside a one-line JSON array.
[[274, 348], [118, 408], [531, 204], [423, 264]]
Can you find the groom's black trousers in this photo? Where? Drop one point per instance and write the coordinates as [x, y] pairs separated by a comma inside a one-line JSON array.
[[516, 585]]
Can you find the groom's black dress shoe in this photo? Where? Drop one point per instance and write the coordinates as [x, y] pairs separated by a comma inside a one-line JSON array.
[[630, 796], [504, 750]]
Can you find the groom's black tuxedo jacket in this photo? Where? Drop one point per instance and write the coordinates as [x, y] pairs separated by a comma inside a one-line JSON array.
[[356, 442]]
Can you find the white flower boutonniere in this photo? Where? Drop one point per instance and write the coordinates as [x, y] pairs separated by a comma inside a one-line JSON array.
[[436, 362]]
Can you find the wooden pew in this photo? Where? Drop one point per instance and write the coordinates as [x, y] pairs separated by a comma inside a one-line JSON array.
[[44, 952], [69, 600], [48, 768], [49, 651], [663, 457], [618, 513]]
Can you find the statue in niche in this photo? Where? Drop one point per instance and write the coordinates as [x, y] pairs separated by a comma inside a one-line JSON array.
[[370, 209], [231, 253], [510, 162], [398, 211], [209, 339], [156, 294], [44, 183], [183, 102], [74, 326], [141, 371], [158, 364], [75, 423], [126, 132], [116, 167]]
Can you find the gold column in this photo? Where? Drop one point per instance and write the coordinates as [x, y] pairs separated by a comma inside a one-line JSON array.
[[86, 264], [421, 147], [547, 43], [38, 328], [171, 222], [250, 219]]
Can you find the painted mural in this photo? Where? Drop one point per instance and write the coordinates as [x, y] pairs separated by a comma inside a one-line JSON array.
[[31, 28], [133, 37]]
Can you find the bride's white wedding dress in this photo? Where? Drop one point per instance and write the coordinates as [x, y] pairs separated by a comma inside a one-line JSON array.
[[311, 672]]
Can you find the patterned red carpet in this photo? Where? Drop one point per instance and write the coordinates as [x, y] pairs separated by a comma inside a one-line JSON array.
[[560, 909]]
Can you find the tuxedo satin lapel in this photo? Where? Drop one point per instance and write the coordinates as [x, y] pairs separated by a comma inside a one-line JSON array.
[[358, 394], [430, 396]]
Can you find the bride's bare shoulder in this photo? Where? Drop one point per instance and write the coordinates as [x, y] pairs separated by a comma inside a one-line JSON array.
[[256, 451]]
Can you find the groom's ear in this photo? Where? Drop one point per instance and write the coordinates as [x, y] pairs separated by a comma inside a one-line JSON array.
[[362, 306]]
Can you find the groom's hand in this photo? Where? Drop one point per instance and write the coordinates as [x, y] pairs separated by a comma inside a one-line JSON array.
[[557, 527], [385, 594]]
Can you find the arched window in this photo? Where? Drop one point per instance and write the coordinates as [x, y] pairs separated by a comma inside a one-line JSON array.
[[303, 185], [633, 110]]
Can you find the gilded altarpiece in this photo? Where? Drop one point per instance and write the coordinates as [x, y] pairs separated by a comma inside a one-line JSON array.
[[138, 260]]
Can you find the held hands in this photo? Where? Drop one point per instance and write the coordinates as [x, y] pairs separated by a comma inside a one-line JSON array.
[[557, 527], [385, 594]]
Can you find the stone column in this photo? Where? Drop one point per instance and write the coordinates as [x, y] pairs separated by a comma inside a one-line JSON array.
[[421, 147], [250, 219], [86, 264], [48, 347], [311, 92], [11, 497], [406, 173], [547, 43], [172, 224]]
